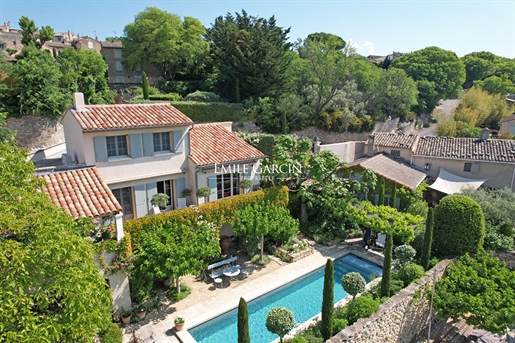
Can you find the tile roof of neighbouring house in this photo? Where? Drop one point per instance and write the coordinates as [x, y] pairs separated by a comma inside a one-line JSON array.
[[391, 169], [81, 193], [111, 44], [496, 150], [395, 140], [508, 118], [212, 143], [128, 116]]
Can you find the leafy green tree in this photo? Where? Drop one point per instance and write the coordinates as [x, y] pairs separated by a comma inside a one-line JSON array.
[[31, 36], [478, 108], [85, 71], [144, 85], [162, 39], [478, 66], [409, 273], [328, 301], [439, 75], [479, 290], [353, 283], [243, 322], [497, 85], [280, 321], [498, 205], [428, 239], [387, 267], [50, 287], [175, 250], [36, 89], [459, 226], [250, 55]]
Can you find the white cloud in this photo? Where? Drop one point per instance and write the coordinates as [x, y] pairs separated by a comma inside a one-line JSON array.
[[365, 49]]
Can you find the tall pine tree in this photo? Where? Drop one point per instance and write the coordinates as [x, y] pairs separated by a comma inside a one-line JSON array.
[[428, 239], [387, 266], [243, 322], [328, 301]]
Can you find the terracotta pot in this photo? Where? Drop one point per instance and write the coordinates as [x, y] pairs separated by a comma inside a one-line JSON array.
[[179, 327], [141, 314], [126, 320], [225, 243]]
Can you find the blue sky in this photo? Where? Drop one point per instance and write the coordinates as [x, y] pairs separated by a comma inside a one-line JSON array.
[[376, 27]]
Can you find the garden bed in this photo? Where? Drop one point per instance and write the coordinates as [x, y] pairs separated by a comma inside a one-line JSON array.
[[294, 252]]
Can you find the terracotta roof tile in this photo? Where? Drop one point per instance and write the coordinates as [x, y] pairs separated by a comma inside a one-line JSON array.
[[126, 116], [111, 44], [395, 140], [81, 193], [497, 150], [391, 169], [213, 143]]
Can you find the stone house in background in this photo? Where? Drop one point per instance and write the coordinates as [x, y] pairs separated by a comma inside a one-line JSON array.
[[81, 192], [507, 125], [144, 149]]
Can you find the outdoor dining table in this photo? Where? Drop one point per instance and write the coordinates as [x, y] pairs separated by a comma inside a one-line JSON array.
[[231, 271]]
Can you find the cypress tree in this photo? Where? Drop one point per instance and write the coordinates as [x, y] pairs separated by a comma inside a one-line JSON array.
[[328, 301], [243, 322], [144, 85], [381, 193], [387, 266], [428, 239], [394, 195]]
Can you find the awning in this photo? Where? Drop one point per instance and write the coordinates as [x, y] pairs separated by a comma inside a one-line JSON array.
[[450, 184]]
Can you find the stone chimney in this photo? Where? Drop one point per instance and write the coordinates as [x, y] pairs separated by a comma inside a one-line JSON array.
[[78, 102], [485, 134], [370, 146]]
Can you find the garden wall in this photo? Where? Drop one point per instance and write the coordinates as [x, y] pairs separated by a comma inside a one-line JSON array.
[[402, 318]]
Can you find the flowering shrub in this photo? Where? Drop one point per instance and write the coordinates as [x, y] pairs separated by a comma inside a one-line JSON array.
[[123, 262]]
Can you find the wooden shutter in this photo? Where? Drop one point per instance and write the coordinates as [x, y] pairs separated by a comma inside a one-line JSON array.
[[148, 144], [151, 190], [211, 182], [177, 141], [135, 141], [180, 186], [140, 201], [100, 145]]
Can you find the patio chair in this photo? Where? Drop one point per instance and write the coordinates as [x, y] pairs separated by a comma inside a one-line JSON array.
[[381, 240]]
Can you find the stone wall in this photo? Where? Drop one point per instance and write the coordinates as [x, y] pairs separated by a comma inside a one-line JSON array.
[[35, 132], [400, 319]]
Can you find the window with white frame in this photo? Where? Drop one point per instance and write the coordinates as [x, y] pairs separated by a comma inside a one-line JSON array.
[[124, 198], [118, 53], [117, 146], [90, 45], [427, 166], [227, 185], [396, 153], [162, 142], [467, 167]]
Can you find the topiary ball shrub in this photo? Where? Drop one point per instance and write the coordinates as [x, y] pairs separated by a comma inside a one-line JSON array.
[[459, 226], [361, 307], [112, 334], [280, 321], [353, 283], [405, 253], [409, 273], [506, 229], [203, 97]]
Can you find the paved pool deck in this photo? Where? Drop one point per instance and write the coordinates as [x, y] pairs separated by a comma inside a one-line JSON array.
[[228, 298]]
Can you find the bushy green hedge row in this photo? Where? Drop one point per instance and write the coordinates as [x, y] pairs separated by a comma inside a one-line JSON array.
[[218, 212], [212, 111]]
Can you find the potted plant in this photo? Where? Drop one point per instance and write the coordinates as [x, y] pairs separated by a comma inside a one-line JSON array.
[[186, 192], [246, 183], [204, 192], [160, 200], [126, 316], [141, 311], [179, 323]]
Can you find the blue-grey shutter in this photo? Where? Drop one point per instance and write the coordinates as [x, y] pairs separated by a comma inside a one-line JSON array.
[[376, 199], [151, 190], [100, 148], [211, 182], [397, 203], [140, 201], [180, 186], [148, 144], [135, 140], [177, 141]]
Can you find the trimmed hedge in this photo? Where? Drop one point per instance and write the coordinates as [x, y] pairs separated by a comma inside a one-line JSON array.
[[218, 212], [112, 334], [459, 226], [409, 273], [361, 307], [209, 112]]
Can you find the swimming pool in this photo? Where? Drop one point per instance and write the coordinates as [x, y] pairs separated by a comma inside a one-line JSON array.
[[302, 296]]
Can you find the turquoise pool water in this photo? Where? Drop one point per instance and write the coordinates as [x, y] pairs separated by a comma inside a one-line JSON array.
[[302, 296]]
